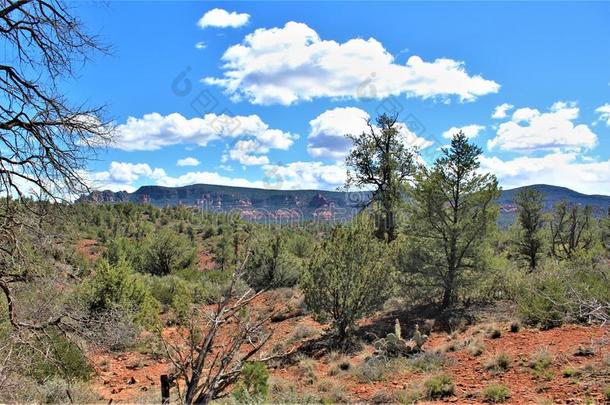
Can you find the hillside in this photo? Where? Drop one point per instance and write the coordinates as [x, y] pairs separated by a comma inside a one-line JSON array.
[[262, 204]]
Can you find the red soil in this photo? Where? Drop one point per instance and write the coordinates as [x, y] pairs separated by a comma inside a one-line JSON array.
[[130, 375]]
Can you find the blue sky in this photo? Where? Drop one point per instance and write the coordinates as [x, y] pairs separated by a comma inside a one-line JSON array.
[[260, 93]]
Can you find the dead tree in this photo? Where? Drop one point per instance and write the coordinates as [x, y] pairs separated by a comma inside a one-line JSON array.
[[45, 142], [570, 230], [207, 366]]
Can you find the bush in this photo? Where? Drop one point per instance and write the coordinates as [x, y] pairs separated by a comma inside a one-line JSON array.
[[253, 386], [439, 387], [165, 252], [63, 358], [499, 363], [496, 393], [373, 369], [540, 362], [116, 286], [271, 265], [349, 278], [428, 361]]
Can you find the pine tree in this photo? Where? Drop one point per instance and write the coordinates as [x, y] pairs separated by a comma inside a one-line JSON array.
[[451, 212], [530, 220]]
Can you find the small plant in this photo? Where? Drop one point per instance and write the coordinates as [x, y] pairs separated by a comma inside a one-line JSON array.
[[475, 347], [439, 386], [393, 345], [306, 370], [570, 372], [515, 327], [540, 362], [428, 361], [254, 383], [384, 397], [493, 332], [302, 332], [606, 393], [340, 366], [584, 351], [374, 369], [496, 393], [499, 363]]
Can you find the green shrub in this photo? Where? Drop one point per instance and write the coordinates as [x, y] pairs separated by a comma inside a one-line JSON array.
[[439, 387], [499, 363], [270, 265], [540, 361], [115, 286], [496, 393], [428, 361], [606, 393], [57, 357], [253, 385], [165, 252], [350, 277]]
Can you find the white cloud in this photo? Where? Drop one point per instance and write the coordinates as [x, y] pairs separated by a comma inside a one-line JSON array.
[[220, 18], [207, 178], [327, 132], [529, 130], [121, 175], [291, 64], [501, 110], [189, 161], [580, 173], [200, 45], [305, 175], [249, 153], [470, 131], [154, 131], [604, 113]]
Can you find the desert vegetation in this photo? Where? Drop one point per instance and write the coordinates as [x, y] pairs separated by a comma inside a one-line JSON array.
[[421, 297]]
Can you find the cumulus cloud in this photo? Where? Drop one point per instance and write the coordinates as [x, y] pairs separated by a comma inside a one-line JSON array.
[[291, 64], [305, 175], [604, 113], [501, 110], [470, 131], [189, 161], [530, 129], [154, 131], [121, 176], [566, 169], [220, 18], [327, 132], [248, 152]]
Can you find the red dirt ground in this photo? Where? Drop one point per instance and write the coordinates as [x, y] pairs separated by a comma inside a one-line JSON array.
[[129, 376]]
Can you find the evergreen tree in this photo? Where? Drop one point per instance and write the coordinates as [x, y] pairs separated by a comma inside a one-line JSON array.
[[451, 211], [349, 277], [530, 220], [380, 159]]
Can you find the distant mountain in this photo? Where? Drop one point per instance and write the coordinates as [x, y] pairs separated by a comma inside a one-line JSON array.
[[250, 203], [279, 205]]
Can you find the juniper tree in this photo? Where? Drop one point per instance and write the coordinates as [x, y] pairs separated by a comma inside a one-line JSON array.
[[451, 212], [530, 221], [380, 159], [350, 277]]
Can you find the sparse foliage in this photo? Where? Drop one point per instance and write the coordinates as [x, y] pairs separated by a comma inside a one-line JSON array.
[[381, 160]]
